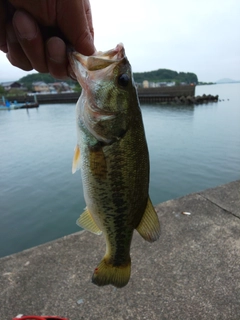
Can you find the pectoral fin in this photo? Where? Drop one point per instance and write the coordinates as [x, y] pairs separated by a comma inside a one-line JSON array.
[[76, 160], [86, 222], [149, 226]]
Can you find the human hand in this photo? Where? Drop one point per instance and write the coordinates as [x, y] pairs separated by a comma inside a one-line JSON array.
[[34, 34]]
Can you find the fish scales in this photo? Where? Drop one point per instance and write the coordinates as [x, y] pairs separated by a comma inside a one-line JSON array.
[[113, 156]]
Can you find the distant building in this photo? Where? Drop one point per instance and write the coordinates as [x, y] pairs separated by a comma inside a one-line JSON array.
[[60, 87], [156, 84], [12, 85], [165, 84], [40, 87], [145, 84], [171, 84]]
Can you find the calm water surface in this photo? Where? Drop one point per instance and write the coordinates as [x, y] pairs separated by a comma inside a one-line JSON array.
[[191, 148]]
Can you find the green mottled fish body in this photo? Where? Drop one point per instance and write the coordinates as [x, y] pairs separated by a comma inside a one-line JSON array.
[[113, 156]]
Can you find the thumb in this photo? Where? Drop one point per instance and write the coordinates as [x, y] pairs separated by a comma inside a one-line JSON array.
[[75, 21]]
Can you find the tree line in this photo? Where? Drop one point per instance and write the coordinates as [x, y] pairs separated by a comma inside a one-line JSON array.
[[160, 75], [165, 75]]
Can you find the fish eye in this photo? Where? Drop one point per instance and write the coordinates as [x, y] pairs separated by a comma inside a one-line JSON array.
[[123, 80]]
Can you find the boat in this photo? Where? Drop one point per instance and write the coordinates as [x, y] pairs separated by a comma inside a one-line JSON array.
[[7, 105]]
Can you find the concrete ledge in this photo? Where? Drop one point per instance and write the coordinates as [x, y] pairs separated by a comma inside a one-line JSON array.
[[192, 272]]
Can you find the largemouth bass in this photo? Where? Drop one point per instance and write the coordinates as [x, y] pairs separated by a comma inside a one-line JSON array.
[[113, 156]]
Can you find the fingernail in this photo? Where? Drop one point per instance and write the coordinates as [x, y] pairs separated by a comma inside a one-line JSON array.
[[25, 25], [56, 50]]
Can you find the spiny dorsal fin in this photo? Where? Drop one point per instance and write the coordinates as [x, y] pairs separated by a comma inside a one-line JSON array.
[[86, 222], [76, 159], [149, 226]]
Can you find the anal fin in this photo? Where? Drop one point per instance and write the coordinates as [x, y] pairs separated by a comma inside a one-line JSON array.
[[149, 226], [86, 222]]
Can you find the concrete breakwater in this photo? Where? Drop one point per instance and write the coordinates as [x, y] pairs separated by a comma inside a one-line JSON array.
[[195, 100], [176, 94], [191, 272]]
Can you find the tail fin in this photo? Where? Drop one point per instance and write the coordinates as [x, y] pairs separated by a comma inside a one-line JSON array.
[[106, 274]]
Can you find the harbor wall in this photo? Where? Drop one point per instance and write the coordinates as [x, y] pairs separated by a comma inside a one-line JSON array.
[[160, 94]]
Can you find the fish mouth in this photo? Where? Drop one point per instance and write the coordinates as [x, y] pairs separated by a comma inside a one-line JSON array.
[[83, 65], [99, 60]]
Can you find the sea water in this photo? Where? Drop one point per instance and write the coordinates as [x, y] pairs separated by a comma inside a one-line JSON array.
[[191, 148]]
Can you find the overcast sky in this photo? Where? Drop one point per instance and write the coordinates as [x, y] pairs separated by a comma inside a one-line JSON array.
[[189, 35]]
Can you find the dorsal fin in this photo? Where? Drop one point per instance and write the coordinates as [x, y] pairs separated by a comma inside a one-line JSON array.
[[149, 226]]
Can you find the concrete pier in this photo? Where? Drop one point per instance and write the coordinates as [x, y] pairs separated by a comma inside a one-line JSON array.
[[192, 272]]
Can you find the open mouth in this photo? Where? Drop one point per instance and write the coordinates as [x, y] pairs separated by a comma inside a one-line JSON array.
[[99, 60]]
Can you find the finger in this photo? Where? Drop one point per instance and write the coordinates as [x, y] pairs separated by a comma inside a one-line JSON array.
[[30, 39], [89, 17], [43, 11], [57, 58], [3, 19], [75, 25], [15, 53]]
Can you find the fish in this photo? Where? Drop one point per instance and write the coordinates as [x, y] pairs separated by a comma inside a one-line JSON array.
[[113, 156]]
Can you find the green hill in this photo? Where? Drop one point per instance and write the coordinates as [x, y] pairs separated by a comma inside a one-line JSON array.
[[45, 77], [160, 75], [30, 78], [165, 75]]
